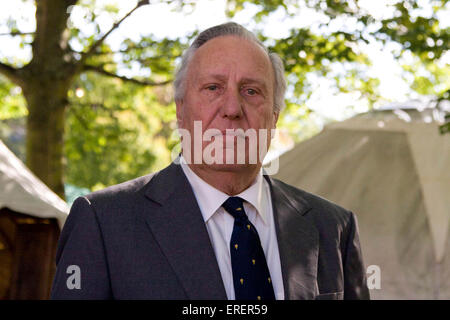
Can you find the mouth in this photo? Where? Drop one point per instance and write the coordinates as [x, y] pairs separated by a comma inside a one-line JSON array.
[[239, 133]]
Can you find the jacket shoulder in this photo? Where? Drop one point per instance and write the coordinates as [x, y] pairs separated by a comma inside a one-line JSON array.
[[119, 198], [122, 190], [319, 208]]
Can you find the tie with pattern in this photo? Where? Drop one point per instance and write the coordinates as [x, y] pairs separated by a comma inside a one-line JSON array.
[[251, 277]]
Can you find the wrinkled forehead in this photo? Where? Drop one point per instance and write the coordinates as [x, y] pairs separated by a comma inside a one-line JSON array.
[[221, 54]]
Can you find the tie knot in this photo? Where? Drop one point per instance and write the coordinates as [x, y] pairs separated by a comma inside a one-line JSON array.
[[235, 207]]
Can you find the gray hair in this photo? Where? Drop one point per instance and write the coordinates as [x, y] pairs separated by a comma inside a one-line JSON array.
[[234, 29]]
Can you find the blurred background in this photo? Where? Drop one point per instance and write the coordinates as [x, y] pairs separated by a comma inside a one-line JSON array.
[[86, 101]]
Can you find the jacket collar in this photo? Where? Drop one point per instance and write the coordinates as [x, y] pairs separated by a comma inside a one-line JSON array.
[[176, 217], [177, 224], [298, 242]]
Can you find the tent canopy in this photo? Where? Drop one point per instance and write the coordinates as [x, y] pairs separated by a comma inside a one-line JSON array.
[[23, 192], [390, 167]]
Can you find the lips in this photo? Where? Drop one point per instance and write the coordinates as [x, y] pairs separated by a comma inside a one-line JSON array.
[[232, 133]]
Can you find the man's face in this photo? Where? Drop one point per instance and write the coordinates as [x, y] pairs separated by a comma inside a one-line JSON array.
[[229, 85]]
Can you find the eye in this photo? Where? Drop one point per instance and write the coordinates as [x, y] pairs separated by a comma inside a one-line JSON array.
[[250, 91], [212, 87]]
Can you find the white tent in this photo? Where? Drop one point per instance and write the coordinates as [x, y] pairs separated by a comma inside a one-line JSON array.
[[23, 192], [392, 168]]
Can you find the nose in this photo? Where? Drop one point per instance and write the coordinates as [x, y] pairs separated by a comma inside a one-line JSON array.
[[232, 104]]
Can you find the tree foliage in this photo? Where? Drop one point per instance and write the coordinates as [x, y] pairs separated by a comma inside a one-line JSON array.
[[62, 53], [414, 32], [116, 131], [115, 104]]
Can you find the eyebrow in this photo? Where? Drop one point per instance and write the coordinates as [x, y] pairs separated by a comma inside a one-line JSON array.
[[246, 80], [261, 82]]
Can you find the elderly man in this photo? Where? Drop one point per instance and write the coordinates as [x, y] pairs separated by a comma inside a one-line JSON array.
[[220, 228]]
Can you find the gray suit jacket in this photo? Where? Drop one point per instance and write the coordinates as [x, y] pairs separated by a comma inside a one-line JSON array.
[[146, 239]]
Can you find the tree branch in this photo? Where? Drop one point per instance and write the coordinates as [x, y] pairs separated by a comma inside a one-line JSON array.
[[80, 119], [102, 71], [16, 33], [11, 73], [96, 44]]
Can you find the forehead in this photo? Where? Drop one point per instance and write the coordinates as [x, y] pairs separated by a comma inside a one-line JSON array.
[[226, 54]]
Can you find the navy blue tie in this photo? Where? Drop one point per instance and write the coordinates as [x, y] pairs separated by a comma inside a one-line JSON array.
[[251, 277]]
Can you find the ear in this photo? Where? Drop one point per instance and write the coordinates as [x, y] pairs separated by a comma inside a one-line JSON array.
[[180, 112], [275, 119]]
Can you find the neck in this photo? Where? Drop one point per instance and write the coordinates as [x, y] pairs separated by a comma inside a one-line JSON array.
[[231, 181]]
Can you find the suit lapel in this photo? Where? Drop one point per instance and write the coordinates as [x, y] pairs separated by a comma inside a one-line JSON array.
[[175, 221], [298, 242], [177, 224]]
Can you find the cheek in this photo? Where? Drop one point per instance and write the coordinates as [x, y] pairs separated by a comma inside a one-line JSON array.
[[261, 117], [198, 111], [193, 107]]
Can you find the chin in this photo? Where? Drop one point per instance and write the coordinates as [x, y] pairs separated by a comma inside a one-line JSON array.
[[232, 167]]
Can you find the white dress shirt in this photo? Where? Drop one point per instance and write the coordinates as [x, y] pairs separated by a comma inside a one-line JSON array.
[[219, 223]]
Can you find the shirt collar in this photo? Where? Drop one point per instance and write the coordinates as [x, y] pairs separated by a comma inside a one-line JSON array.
[[210, 199]]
